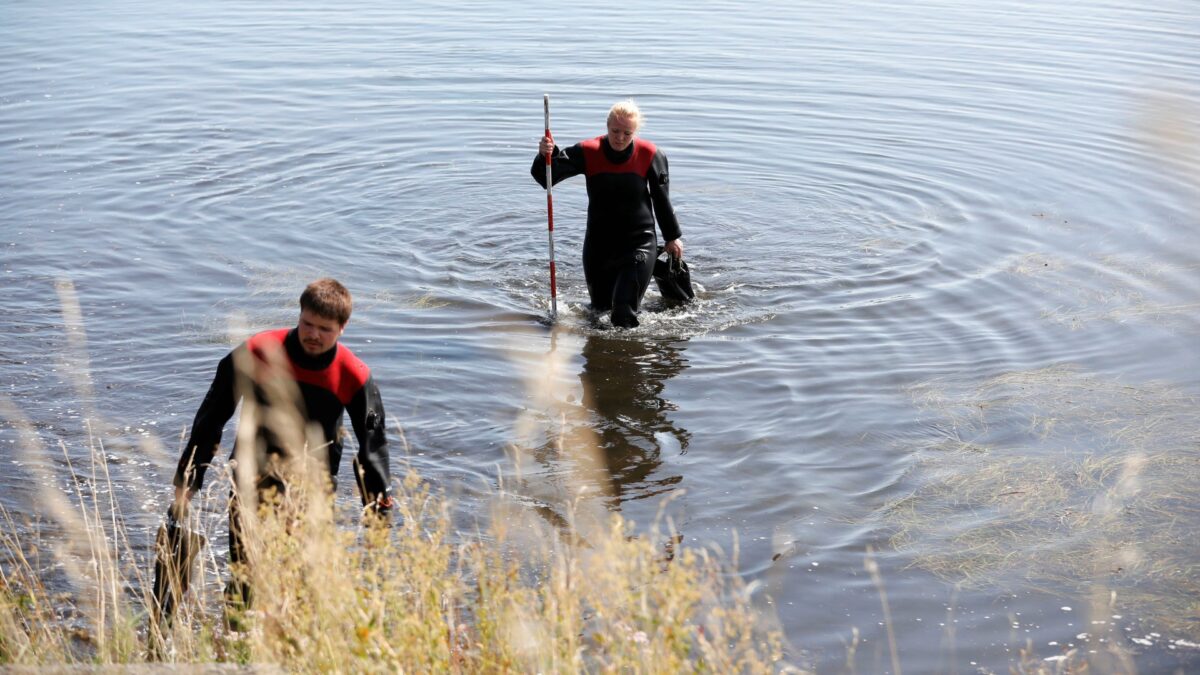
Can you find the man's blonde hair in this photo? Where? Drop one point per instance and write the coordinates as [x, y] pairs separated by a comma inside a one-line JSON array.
[[627, 109]]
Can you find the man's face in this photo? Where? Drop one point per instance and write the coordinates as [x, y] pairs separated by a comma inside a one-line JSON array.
[[317, 333]]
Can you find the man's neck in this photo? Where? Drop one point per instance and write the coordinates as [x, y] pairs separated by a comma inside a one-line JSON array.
[[302, 358]]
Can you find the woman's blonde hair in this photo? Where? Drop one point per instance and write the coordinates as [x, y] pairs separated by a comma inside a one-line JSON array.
[[627, 109]]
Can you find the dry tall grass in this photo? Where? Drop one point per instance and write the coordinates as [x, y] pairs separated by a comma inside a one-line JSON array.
[[516, 595]]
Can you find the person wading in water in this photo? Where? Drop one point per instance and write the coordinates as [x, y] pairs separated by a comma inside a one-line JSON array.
[[628, 190], [324, 380]]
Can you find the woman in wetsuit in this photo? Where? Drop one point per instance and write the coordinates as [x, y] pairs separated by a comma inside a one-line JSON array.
[[627, 186]]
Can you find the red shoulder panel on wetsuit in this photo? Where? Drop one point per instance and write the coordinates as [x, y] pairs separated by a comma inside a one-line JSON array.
[[347, 374], [266, 345], [597, 162], [343, 378]]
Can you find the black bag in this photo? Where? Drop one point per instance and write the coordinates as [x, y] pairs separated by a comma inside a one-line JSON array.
[[673, 278]]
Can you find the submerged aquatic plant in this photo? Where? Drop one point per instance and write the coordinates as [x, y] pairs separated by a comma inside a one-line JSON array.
[[1092, 494]]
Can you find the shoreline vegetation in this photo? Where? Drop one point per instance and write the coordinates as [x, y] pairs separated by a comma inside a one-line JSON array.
[[520, 593], [588, 591]]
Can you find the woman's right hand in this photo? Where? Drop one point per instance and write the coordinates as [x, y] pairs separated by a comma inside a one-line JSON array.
[[546, 145]]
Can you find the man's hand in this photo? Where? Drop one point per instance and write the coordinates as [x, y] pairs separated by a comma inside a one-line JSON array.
[[178, 511], [674, 248], [379, 512]]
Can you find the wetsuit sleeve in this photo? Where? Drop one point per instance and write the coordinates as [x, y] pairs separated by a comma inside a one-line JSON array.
[[218, 406], [564, 164], [371, 464], [660, 194]]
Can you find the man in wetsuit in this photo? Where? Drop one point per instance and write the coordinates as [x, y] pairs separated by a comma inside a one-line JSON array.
[[301, 375], [627, 187]]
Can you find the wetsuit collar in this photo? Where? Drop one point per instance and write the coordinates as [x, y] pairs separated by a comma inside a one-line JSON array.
[[301, 358], [614, 156]]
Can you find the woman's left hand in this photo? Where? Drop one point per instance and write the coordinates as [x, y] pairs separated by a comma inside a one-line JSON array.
[[674, 248]]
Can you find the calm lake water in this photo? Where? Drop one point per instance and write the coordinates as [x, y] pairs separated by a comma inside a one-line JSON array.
[[947, 249]]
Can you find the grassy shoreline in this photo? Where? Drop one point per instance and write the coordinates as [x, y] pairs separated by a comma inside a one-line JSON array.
[[519, 595]]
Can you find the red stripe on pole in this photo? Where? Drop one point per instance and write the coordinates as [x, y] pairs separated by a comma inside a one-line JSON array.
[[550, 212]]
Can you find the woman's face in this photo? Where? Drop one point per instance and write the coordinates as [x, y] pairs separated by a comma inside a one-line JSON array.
[[621, 131]]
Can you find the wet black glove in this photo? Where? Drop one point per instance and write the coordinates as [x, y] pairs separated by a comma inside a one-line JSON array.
[[175, 549], [177, 512]]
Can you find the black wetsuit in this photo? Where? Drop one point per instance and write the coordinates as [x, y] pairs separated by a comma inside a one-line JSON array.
[[627, 191], [330, 384]]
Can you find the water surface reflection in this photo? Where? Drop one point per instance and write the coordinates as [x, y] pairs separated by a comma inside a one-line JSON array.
[[623, 382]]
